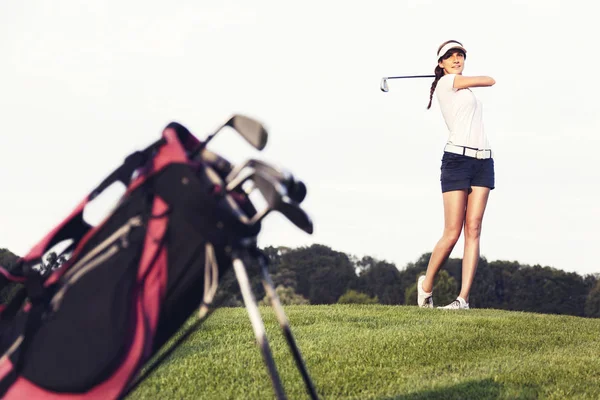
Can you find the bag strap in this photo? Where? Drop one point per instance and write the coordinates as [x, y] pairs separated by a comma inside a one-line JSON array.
[[74, 226], [38, 297], [125, 172]]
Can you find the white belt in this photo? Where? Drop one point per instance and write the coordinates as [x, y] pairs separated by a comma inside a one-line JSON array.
[[468, 151]]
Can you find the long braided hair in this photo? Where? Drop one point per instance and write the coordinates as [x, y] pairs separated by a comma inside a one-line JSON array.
[[439, 72]]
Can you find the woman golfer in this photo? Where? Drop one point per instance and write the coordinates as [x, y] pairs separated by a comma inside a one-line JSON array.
[[467, 171]]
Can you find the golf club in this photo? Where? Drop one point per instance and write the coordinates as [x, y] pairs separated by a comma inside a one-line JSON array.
[[284, 322], [251, 130], [276, 195], [277, 199], [296, 189], [384, 85], [258, 326], [274, 187]]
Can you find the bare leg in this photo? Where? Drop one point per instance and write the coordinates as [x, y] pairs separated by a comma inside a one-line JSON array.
[[476, 203], [455, 203]]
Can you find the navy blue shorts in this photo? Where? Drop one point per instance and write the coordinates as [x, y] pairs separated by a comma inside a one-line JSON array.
[[461, 172]]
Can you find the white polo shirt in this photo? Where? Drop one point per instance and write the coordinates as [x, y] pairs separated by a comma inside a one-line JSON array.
[[462, 113]]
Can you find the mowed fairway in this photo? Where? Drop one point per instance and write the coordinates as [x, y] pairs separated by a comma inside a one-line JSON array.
[[389, 352]]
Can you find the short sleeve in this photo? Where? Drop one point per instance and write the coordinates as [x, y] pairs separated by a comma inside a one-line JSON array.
[[446, 83]]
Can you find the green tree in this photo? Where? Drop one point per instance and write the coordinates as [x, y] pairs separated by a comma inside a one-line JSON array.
[[592, 303], [547, 290], [287, 296], [7, 259], [380, 279], [445, 289], [322, 275], [354, 297], [410, 295]]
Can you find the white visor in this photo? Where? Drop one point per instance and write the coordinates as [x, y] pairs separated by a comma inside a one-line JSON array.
[[450, 46]]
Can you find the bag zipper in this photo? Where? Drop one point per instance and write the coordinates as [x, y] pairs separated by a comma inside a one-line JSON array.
[[98, 255]]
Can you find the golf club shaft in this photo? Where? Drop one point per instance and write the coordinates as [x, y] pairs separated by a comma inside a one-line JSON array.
[[285, 327], [410, 76], [258, 326]]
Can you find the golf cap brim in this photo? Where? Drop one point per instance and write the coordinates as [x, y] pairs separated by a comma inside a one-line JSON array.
[[450, 46]]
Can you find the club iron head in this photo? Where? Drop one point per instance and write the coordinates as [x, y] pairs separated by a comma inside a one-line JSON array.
[[384, 85], [296, 189], [254, 164], [276, 197], [249, 129]]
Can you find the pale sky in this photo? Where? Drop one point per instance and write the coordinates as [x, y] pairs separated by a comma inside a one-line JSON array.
[[83, 84]]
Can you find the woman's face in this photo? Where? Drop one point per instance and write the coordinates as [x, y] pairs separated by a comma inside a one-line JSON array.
[[454, 64]]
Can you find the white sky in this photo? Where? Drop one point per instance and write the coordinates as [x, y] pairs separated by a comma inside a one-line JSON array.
[[83, 84]]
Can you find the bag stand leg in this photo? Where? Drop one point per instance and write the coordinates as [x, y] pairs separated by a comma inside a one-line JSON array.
[[285, 327], [258, 326]]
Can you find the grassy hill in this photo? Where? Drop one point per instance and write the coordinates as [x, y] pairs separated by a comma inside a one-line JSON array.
[[389, 352]]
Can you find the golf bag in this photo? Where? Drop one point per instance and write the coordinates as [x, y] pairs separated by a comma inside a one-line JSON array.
[[86, 329]]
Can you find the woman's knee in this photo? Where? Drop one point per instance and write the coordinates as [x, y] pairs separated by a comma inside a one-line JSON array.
[[473, 228], [451, 235]]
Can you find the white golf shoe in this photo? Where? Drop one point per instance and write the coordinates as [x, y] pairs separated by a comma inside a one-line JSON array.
[[458, 304], [424, 299]]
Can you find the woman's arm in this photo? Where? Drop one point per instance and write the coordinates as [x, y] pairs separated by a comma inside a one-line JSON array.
[[462, 82]]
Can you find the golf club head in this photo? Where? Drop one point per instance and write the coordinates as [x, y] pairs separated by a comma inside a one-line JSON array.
[[249, 129], [221, 165], [275, 195], [384, 85], [296, 189], [237, 178], [297, 192], [254, 164], [295, 214]]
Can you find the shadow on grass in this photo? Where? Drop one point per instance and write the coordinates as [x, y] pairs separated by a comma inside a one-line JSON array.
[[485, 389]]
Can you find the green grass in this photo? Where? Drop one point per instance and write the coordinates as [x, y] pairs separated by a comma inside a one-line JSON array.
[[389, 352]]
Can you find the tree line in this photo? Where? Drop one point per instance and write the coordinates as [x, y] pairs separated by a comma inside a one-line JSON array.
[[318, 274]]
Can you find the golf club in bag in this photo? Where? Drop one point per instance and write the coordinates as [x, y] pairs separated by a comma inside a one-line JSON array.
[[88, 328], [384, 85]]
